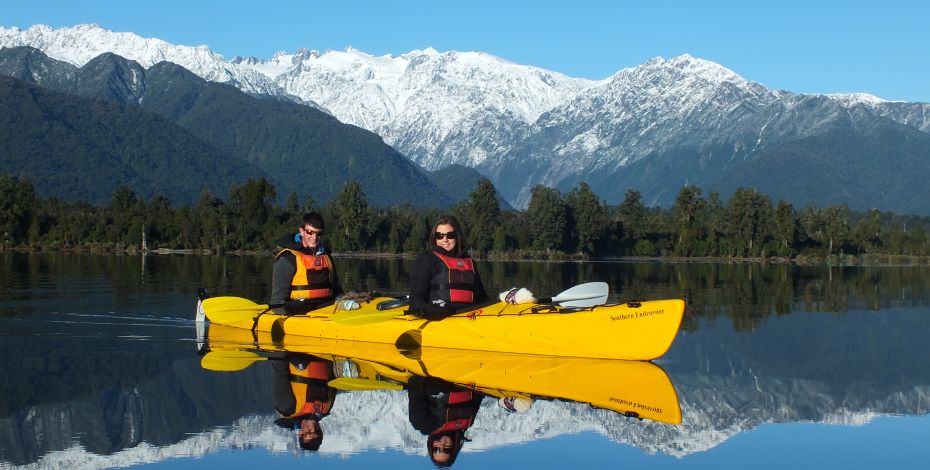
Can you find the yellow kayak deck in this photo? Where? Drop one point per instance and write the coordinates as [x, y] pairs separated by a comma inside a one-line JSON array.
[[634, 331]]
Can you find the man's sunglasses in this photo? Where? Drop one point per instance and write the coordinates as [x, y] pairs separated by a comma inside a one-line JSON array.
[[449, 235]]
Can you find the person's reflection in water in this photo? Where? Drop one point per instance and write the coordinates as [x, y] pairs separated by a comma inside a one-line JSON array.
[[443, 412], [302, 397]]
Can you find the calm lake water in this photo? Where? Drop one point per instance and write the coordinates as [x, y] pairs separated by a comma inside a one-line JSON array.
[[775, 367]]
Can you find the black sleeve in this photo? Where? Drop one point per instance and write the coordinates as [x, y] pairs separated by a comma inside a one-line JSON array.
[[418, 412], [422, 272], [281, 393], [281, 276], [420, 275], [424, 268]]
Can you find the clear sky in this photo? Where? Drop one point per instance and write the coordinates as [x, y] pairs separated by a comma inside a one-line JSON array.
[[811, 46]]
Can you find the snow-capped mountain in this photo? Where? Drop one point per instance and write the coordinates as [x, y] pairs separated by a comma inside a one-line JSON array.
[[715, 410], [436, 108], [440, 108], [79, 44], [654, 127]]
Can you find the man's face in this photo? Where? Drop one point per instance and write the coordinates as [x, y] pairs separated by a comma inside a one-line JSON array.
[[309, 429], [310, 236]]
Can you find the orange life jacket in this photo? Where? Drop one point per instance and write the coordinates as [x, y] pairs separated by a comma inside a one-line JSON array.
[[456, 283], [311, 392], [314, 276]]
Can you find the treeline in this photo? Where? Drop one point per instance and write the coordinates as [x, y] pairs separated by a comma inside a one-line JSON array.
[[554, 225]]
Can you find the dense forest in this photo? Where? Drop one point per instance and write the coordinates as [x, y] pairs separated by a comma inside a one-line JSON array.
[[554, 225]]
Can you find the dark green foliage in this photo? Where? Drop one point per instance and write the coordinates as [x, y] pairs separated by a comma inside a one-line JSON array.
[[548, 219], [16, 210], [588, 218], [351, 216], [301, 148], [166, 131], [745, 226], [482, 216], [76, 148], [458, 181]]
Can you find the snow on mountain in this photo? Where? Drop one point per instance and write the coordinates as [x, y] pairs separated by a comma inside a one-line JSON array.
[[437, 108], [518, 124], [715, 410], [852, 99], [79, 44]]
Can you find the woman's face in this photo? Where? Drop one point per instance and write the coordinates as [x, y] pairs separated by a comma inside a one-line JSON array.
[[443, 238]]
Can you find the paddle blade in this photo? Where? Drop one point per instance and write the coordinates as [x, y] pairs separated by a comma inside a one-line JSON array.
[[229, 310], [354, 384], [228, 361], [363, 317], [588, 294]]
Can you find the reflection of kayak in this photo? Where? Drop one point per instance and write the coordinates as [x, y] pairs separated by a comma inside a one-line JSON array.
[[633, 388], [634, 331]]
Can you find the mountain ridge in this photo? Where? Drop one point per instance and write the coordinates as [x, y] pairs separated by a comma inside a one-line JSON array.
[[521, 125]]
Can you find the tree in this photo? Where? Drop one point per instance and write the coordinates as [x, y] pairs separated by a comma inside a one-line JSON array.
[[253, 207], [749, 219], [589, 217], [868, 232], [213, 228], [688, 212], [632, 215], [482, 215], [836, 227], [16, 211], [548, 218], [352, 216], [786, 228]]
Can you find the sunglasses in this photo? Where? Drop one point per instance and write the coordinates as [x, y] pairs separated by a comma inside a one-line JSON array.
[[313, 232], [449, 235]]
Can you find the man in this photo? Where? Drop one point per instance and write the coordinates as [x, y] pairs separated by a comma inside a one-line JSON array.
[[302, 396], [303, 276]]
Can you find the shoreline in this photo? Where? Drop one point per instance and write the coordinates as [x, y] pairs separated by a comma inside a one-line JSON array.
[[877, 260]]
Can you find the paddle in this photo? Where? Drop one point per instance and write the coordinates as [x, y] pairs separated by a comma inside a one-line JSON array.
[[227, 310], [230, 310], [588, 294], [353, 384], [228, 361]]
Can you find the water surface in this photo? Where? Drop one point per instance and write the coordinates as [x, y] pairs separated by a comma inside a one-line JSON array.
[[775, 366]]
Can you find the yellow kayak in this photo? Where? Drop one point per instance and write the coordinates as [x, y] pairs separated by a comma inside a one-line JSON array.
[[633, 388], [632, 331]]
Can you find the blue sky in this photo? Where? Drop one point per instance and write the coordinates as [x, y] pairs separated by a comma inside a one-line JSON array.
[[804, 46]]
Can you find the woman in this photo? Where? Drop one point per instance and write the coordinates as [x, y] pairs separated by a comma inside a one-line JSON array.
[[442, 411], [443, 278]]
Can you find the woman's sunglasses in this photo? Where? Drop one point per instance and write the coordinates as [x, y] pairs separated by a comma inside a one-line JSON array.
[[449, 235]]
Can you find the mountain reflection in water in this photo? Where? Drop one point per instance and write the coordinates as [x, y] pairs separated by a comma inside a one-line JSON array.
[[101, 370]]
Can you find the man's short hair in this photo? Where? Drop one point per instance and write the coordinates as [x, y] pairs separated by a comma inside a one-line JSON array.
[[314, 219]]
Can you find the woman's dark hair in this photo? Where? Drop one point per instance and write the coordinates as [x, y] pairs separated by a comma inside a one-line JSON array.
[[458, 438], [460, 244]]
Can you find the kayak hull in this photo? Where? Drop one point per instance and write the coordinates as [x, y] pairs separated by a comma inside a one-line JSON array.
[[634, 388], [635, 331]]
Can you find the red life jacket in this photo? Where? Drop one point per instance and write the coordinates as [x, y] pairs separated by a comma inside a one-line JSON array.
[[314, 276], [311, 392], [455, 283], [459, 415]]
